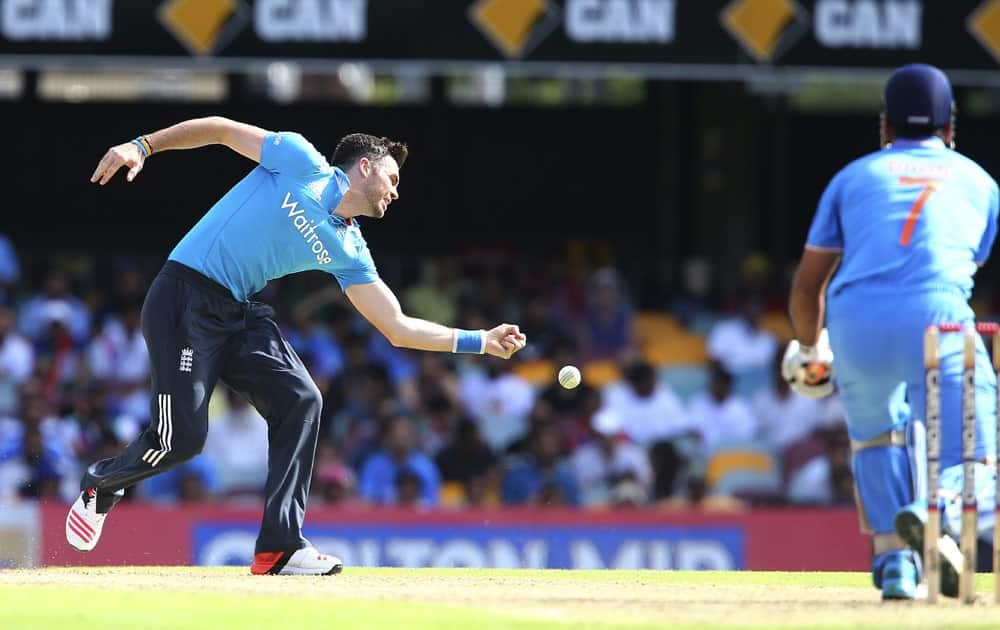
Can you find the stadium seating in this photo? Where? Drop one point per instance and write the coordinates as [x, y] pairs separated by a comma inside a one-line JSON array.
[[745, 470]]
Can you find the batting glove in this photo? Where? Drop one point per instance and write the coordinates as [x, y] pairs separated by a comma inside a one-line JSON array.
[[808, 370]]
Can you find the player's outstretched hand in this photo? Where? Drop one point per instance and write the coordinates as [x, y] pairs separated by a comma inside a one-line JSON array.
[[127, 154], [504, 340]]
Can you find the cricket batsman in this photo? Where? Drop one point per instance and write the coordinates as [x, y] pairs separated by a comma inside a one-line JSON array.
[[905, 229]]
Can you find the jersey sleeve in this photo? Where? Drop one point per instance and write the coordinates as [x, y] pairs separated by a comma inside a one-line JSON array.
[[826, 231], [990, 233], [349, 267], [290, 154]]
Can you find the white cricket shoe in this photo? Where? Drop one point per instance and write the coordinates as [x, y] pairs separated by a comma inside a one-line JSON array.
[[305, 561], [84, 523]]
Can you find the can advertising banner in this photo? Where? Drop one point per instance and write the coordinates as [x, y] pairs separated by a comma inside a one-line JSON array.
[[957, 34], [771, 539]]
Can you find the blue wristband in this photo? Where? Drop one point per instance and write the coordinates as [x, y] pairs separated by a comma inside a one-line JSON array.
[[137, 142], [469, 341]]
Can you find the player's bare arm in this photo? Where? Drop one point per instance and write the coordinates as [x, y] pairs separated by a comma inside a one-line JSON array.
[[242, 138], [807, 301], [379, 305]]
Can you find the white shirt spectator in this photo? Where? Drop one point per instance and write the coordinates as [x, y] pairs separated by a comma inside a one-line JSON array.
[[119, 356], [783, 421], [659, 416], [237, 447], [811, 483], [595, 467], [739, 346], [500, 406], [731, 420], [17, 358], [61, 435], [39, 313]]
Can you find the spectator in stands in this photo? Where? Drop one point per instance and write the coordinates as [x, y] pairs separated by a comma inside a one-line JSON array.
[[611, 467], [739, 342], [409, 489], [483, 491], [493, 295], [436, 376], [570, 409], [499, 400], [670, 463], [369, 401], [467, 456], [17, 360], [377, 482], [317, 346], [61, 436], [96, 426], [438, 421], [690, 302], [650, 411], [117, 357], [825, 478], [10, 269], [607, 327], [546, 331], [720, 415], [57, 357], [335, 484], [568, 290], [434, 296], [401, 364], [194, 480], [34, 470], [193, 487], [334, 481], [540, 476], [237, 447], [55, 301]]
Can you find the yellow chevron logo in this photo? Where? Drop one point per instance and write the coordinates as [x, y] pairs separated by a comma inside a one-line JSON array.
[[984, 24], [201, 25], [760, 25], [514, 26]]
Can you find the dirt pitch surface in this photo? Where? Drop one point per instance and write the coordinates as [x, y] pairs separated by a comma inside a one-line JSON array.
[[465, 598]]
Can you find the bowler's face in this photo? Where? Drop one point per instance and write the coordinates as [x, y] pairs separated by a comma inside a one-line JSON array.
[[382, 185]]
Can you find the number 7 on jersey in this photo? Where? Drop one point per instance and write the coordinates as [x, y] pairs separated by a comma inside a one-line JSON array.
[[930, 185]]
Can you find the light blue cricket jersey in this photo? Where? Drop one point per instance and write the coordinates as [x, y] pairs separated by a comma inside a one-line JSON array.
[[917, 215], [276, 221]]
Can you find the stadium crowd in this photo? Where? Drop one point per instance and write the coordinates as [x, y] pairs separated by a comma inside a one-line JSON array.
[[711, 425]]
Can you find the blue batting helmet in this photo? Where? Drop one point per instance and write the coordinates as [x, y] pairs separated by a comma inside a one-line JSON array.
[[918, 95]]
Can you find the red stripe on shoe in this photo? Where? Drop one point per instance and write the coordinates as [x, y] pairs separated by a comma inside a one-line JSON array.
[[76, 530], [81, 522], [264, 562]]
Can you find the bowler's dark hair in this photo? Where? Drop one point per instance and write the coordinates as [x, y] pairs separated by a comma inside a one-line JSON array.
[[355, 146]]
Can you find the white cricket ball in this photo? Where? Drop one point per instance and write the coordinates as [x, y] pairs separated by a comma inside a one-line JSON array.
[[569, 376]]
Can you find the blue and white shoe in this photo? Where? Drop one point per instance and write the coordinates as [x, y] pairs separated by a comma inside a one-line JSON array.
[[909, 524], [895, 572]]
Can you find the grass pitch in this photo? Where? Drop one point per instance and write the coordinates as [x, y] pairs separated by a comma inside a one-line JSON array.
[[229, 598]]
